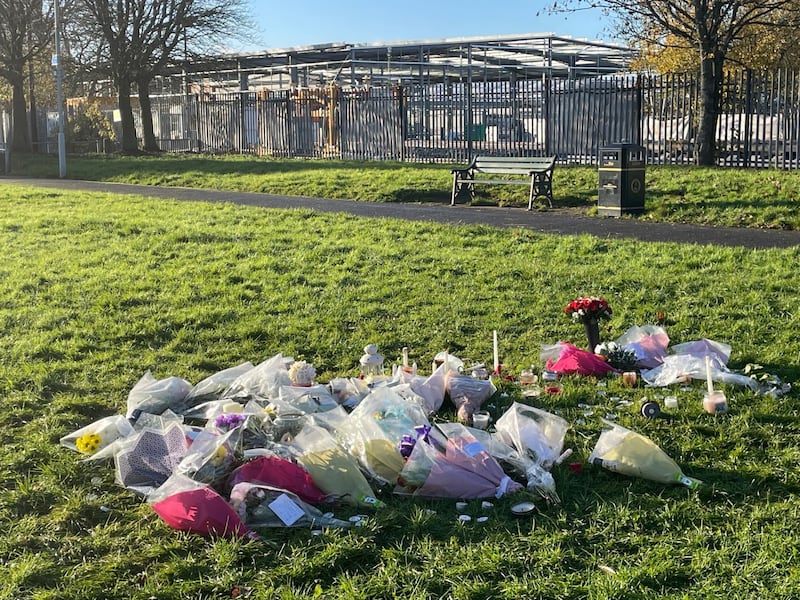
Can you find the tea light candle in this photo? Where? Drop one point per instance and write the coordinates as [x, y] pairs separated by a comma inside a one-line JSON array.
[[480, 419]]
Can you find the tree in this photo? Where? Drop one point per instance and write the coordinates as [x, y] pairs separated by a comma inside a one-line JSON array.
[[710, 27], [759, 48], [25, 33], [132, 40]]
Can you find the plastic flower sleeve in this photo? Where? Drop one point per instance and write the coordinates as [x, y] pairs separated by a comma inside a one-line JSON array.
[[308, 400], [534, 432], [278, 472], [157, 395], [210, 458], [405, 391], [332, 469], [260, 505], [468, 394], [453, 467], [263, 380], [573, 360], [374, 429], [149, 457], [96, 436], [212, 387], [649, 343], [624, 451], [677, 367], [188, 505], [538, 478], [431, 388]]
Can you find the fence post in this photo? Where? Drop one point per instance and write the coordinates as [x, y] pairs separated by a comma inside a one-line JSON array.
[[546, 113]]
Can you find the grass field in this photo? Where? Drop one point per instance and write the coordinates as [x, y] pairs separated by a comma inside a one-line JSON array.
[[97, 289]]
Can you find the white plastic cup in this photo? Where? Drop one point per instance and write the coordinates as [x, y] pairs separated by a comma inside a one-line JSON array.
[[480, 419], [671, 402]]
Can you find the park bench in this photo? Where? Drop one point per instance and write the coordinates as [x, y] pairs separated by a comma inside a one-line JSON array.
[[536, 171]]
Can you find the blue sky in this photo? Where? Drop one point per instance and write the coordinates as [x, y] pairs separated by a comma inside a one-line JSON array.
[[305, 22]]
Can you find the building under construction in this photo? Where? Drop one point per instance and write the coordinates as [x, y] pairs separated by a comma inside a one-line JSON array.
[[417, 100]]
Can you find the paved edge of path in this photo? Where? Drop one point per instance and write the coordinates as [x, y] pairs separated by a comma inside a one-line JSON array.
[[539, 221]]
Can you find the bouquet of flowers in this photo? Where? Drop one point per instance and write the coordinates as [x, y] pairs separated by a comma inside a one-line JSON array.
[[588, 309], [452, 467], [624, 451], [617, 356], [91, 439]]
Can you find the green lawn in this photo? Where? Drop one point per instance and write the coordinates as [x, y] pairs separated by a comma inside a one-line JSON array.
[[765, 198], [97, 289]]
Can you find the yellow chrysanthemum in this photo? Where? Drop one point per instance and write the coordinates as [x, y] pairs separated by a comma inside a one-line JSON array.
[[89, 443]]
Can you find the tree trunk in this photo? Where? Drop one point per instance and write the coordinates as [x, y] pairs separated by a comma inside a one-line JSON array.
[[130, 144], [710, 91], [148, 135], [20, 141]]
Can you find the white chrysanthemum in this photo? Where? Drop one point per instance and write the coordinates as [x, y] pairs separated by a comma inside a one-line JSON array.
[[302, 373]]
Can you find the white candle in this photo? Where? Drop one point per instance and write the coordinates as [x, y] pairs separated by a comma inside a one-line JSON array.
[[405, 356], [496, 353]]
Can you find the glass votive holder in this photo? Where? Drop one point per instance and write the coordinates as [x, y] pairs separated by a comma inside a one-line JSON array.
[[480, 419]]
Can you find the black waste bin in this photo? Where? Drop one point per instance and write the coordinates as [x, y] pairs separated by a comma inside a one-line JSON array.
[[621, 175]]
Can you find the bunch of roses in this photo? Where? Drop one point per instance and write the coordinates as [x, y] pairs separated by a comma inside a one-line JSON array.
[[588, 308]]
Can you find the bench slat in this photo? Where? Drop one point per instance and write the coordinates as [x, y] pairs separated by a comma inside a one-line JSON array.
[[505, 170]]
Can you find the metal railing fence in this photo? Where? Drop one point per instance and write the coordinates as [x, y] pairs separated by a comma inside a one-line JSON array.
[[758, 125]]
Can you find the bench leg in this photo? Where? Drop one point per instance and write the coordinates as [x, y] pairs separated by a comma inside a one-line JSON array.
[[459, 184], [541, 186], [531, 195]]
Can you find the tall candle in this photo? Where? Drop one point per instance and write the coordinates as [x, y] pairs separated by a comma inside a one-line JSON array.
[[405, 356], [496, 353]]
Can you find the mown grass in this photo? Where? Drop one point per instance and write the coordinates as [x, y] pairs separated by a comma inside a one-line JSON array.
[[766, 198], [98, 288]]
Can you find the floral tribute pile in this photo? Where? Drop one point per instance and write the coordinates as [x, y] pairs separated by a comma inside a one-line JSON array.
[[260, 446]]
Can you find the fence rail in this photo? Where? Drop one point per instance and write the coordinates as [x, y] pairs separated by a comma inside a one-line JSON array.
[[758, 125]]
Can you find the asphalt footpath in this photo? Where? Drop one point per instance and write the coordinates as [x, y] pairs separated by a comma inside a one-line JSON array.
[[554, 221]]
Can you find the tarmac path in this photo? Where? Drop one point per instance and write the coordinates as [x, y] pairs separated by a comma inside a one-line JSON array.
[[553, 221]]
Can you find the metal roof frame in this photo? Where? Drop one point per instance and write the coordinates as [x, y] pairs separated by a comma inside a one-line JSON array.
[[424, 61]]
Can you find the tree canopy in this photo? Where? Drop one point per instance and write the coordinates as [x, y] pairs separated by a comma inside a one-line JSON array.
[[710, 28], [25, 34], [131, 40]]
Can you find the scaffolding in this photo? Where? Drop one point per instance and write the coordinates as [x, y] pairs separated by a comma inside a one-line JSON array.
[[426, 62]]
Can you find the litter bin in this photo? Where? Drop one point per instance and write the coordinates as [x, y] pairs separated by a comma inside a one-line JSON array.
[[621, 180]]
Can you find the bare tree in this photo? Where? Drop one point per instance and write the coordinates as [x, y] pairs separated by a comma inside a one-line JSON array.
[[133, 40], [25, 33], [711, 27]]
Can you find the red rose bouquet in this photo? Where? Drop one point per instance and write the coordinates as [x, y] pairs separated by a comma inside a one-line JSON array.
[[588, 309]]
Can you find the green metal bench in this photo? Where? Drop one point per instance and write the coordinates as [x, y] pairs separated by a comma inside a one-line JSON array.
[[536, 171]]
